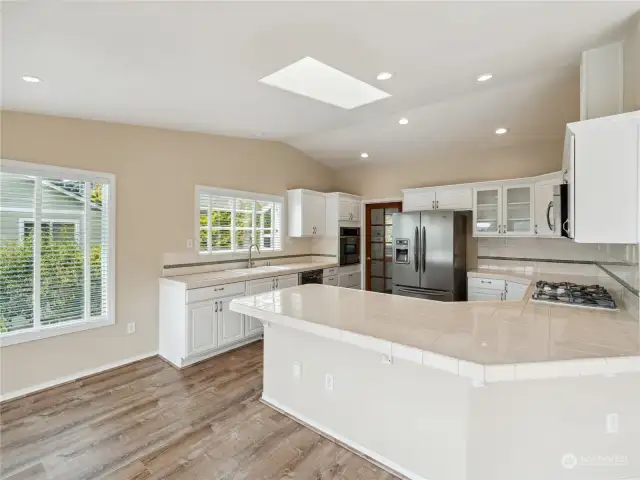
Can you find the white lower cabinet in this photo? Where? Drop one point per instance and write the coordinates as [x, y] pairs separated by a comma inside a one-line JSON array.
[[230, 324], [492, 289], [202, 333], [254, 326], [484, 295], [333, 280]]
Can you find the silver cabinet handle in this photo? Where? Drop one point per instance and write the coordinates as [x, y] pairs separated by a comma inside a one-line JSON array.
[[535, 229], [485, 281], [218, 289], [277, 283], [565, 226]]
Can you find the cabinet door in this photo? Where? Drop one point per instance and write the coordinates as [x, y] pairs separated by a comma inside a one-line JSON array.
[[454, 198], [345, 210], [515, 291], [202, 333], [487, 211], [286, 281], [517, 214], [544, 210], [252, 325], [313, 213], [230, 324], [355, 211], [416, 201], [332, 280]]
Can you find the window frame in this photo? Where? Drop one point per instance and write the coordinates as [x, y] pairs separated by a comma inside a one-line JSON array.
[[257, 197], [48, 331]]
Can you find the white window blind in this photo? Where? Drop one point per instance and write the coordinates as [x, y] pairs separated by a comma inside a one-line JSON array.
[[55, 248], [232, 221]]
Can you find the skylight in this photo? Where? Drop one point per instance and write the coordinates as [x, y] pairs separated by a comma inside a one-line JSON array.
[[314, 79]]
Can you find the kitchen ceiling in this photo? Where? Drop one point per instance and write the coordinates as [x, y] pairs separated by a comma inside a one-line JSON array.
[[195, 66]]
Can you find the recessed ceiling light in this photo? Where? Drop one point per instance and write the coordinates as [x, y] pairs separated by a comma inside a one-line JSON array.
[[403, 121], [313, 79], [384, 76], [501, 131], [364, 155], [30, 79], [484, 77]]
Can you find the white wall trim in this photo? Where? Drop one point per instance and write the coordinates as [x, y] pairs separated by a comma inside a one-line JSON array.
[[76, 376], [353, 445]]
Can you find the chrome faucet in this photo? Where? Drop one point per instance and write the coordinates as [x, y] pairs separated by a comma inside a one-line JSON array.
[[251, 262]]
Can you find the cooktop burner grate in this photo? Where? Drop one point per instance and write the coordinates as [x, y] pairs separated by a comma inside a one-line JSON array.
[[573, 294]]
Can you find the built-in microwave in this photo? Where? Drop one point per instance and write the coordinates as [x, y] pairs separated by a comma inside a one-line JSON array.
[[349, 245]]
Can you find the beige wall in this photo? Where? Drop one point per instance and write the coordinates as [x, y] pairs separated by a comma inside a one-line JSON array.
[[156, 171], [385, 181], [632, 66]]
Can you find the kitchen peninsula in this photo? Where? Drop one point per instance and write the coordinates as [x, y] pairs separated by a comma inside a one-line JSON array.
[[420, 386]]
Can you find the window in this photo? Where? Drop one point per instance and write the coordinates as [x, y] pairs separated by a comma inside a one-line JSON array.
[[231, 221], [56, 250]]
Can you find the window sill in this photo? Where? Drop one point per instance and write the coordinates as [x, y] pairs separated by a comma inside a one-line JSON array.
[[15, 338]]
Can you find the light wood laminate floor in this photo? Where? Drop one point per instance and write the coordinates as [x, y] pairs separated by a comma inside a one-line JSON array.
[[148, 421]]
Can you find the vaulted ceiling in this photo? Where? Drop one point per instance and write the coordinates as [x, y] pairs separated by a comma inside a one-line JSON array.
[[196, 65]]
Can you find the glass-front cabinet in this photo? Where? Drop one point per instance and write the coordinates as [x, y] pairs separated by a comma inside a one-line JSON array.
[[503, 210], [487, 211], [517, 215]]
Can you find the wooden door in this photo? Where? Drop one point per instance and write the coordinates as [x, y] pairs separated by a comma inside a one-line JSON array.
[[378, 245]]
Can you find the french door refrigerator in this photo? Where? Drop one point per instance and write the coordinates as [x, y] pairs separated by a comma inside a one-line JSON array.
[[429, 255]]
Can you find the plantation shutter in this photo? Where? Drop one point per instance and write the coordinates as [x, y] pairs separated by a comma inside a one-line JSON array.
[[54, 249], [230, 223]]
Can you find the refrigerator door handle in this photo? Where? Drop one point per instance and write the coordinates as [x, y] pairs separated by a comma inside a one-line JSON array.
[[415, 249], [424, 249]]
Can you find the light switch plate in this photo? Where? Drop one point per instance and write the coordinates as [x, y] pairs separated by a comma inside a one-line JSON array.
[[613, 423], [328, 382], [131, 327], [189, 243]]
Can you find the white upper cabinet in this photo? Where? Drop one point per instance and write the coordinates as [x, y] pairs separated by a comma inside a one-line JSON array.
[[601, 81], [418, 199], [601, 169], [349, 209], [517, 210], [544, 224], [456, 197], [487, 211], [307, 213]]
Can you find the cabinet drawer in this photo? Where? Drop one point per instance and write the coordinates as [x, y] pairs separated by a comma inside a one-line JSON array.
[[218, 291], [484, 296], [332, 280], [328, 272], [486, 283]]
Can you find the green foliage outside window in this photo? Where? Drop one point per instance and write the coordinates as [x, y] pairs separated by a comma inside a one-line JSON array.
[[61, 280]]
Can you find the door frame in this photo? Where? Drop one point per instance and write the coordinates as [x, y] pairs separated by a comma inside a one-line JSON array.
[[365, 277]]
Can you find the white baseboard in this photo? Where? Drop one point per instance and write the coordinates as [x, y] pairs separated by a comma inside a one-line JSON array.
[[352, 445], [70, 378]]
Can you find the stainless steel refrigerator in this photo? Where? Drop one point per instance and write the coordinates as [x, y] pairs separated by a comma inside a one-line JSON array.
[[430, 255]]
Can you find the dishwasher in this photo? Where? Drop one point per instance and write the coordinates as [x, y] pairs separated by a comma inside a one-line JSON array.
[[312, 276]]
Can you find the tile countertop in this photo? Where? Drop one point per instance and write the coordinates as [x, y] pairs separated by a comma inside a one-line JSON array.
[[484, 341], [210, 279]]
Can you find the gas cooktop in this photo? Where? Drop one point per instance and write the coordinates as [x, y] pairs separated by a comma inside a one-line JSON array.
[[574, 295]]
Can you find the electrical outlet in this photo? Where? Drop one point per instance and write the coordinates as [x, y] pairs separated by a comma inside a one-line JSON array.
[[131, 327], [297, 370], [328, 382], [189, 243], [613, 423]]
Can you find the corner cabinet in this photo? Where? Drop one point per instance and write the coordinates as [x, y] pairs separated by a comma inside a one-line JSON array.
[[306, 213]]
